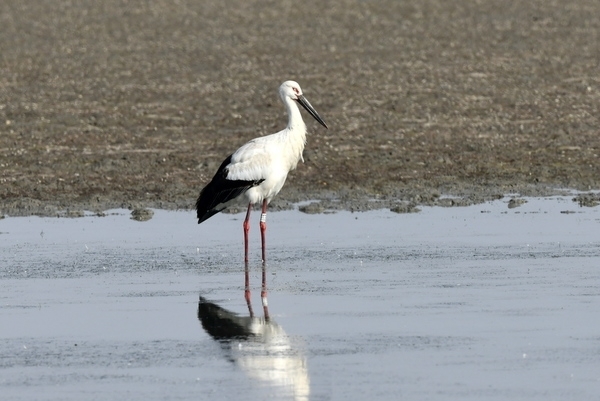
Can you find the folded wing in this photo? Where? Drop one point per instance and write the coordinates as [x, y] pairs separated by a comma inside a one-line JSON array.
[[221, 191]]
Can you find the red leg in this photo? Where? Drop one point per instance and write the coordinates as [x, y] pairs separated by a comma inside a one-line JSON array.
[[246, 230], [263, 230], [263, 235]]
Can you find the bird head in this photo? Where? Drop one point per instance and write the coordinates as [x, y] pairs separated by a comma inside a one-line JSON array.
[[292, 90]]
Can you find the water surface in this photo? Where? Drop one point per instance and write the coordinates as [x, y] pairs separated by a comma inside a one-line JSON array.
[[482, 302]]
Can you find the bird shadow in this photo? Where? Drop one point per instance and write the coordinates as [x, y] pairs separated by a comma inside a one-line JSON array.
[[259, 347]]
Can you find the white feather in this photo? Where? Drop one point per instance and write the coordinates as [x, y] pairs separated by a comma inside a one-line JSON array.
[[263, 163], [270, 158]]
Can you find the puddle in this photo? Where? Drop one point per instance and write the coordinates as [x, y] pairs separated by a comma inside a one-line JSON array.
[[480, 302]]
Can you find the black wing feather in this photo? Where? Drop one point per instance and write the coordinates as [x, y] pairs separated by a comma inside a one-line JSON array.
[[219, 191]]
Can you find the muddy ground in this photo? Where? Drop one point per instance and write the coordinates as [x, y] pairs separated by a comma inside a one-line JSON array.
[[107, 103]]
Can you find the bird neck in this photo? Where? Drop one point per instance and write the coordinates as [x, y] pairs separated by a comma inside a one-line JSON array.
[[294, 134], [295, 121]]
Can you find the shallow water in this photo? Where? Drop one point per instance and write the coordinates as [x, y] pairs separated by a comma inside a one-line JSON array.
[[481, 302]]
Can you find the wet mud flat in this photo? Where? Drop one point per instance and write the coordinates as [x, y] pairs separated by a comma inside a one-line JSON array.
[[481, 302], [110, 104]]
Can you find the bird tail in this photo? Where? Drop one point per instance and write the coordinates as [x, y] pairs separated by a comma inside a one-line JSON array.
[[205, 207], [220, 192]]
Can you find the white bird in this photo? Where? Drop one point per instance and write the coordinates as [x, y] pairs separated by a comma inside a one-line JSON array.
[[259, 168]]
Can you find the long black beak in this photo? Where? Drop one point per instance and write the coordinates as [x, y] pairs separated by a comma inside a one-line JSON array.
[[302, 100]]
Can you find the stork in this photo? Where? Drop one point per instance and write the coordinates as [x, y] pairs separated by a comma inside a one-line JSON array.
[[258, 169]]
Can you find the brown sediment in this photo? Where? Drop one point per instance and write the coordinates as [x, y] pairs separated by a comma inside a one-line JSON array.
[[109, 104]]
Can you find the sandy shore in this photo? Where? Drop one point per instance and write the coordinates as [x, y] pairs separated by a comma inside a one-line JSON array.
[[119, 104]]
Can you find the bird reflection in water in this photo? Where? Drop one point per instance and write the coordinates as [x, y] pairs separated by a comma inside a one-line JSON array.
[[263, 291], [259, 346]]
